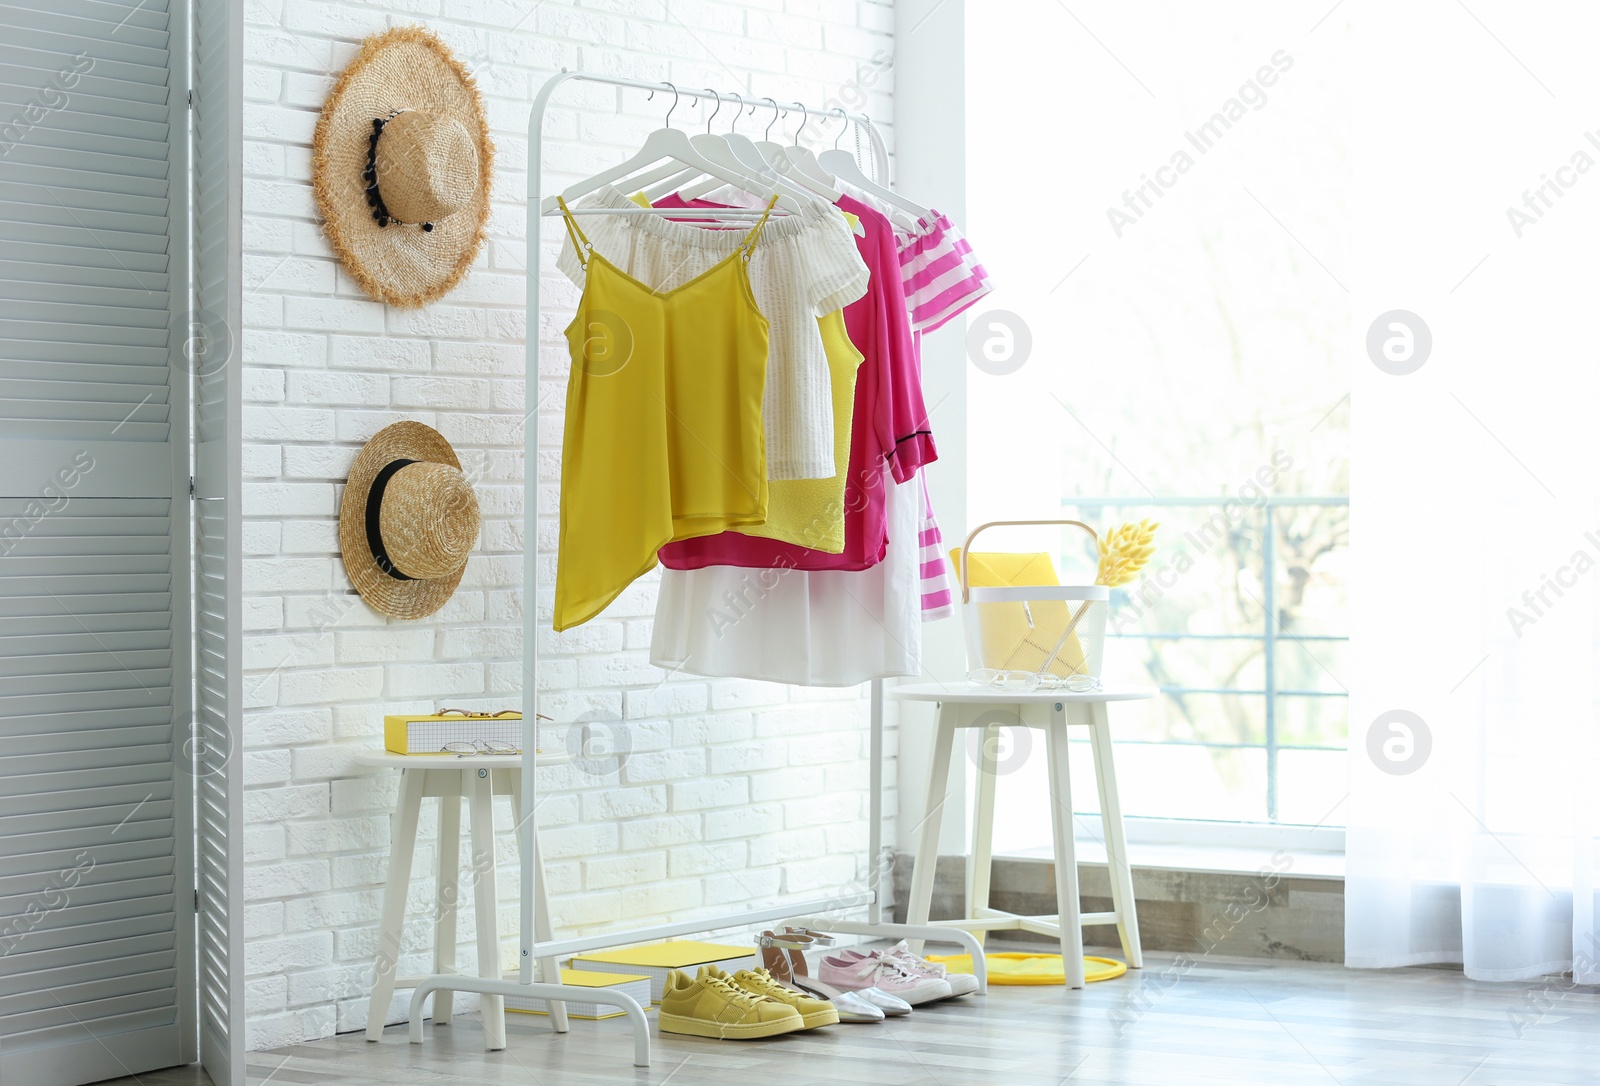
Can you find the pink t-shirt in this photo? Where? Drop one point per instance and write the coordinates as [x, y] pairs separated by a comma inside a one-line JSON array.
[[889, 431]]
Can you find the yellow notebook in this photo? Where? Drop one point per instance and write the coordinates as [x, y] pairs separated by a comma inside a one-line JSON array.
[[660, 959], [636, 985]]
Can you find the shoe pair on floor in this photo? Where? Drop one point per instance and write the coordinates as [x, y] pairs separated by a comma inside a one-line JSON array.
[[863, 987], [896, 971], [740, 1006], [852, 985]]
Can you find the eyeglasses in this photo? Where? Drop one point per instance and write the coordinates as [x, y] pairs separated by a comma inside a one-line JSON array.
[[480, 746], [1025, 681]]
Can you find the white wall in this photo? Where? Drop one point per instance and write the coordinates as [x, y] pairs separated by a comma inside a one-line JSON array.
[[931, 166], [712, 763]]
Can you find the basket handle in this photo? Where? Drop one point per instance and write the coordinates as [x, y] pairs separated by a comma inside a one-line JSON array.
[[966, 548]]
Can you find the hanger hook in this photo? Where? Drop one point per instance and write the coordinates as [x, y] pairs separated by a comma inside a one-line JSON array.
[[805, 119], [714, 112], [844, 124], [733, 124], [774, 102], [674, 105]]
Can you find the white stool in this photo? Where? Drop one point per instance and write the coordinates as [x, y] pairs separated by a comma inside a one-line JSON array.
[[969, 706], [477, 778]]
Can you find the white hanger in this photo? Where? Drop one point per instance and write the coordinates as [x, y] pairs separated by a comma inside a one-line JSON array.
[[773, 152], [671, 169], [784, 175], [719, 149], [660, 184], [806, 168], [843, 165], [662, 144], [745, 148], [777, 155]]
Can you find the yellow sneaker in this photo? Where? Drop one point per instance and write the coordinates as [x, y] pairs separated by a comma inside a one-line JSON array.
[[813, 1012], [708, 1006]]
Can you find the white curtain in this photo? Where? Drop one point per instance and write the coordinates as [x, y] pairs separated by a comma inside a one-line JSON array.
[[1475, 529]]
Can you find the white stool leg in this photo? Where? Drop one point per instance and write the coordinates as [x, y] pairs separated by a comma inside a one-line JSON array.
[[391, 928], [1120, 869], [1068, 907], [447, 902], [549, 968], [927, 861], [486, 900], [979, 874]]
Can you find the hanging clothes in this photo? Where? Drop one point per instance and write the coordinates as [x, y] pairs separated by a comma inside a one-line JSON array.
[[822, 628], [809, 513], [783, 621], [663, 437], [943, 279], [934, 576], [890, 432], [807, 267]]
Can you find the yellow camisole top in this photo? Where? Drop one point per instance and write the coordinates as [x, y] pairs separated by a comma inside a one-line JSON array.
[[810, 512], [664, 439]]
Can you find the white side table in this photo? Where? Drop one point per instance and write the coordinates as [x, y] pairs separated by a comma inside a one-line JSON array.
[[965, 705], [478, 779]]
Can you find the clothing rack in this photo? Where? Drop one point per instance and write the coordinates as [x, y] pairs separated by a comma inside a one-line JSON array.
[[801, 914]]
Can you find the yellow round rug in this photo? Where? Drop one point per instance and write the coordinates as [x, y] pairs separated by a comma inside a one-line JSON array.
[[1008, 968]]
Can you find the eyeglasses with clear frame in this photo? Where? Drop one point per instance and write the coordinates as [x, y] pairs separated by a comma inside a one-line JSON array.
[[1026, 681], [466, 749]]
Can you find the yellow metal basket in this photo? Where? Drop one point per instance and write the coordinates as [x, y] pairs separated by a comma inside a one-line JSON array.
[[1023, 628]]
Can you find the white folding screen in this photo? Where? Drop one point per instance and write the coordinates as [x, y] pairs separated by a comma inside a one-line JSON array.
[[96, 864], [219, 142]]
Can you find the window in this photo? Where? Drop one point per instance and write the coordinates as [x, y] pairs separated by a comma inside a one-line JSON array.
[[1159, 204]]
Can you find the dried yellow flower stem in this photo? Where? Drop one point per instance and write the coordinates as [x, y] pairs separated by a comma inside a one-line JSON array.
[[1124, 552]]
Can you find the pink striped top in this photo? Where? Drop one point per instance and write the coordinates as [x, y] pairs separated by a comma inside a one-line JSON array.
[[937, 601], [943, 279]]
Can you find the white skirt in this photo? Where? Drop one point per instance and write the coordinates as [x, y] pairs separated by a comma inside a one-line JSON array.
[[828, 628]]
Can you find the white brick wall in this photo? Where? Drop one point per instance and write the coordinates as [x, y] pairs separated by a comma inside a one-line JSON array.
[[735, 792]]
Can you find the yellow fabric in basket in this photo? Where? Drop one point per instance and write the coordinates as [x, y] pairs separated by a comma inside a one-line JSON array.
[[1019, 636], [1021, 969]]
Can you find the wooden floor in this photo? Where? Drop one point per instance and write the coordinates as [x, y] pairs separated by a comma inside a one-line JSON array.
[[1224, 1021]]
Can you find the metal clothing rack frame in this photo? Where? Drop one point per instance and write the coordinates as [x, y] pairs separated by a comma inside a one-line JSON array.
[[805, 913]]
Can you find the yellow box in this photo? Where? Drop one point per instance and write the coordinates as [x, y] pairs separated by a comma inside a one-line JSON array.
[[658, 960], [637, 985], [427, 733]]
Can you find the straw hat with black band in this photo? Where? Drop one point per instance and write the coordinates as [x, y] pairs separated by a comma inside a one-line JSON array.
[[401, 164], [408, 520]]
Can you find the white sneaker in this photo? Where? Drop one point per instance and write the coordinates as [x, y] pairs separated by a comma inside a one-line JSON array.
[[960, 983], [854, 971]]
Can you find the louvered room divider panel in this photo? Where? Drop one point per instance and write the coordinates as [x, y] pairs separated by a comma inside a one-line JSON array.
[[218, 137], [91, 878], [96, 823]]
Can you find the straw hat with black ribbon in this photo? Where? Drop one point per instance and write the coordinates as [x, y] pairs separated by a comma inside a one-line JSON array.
[[401, 165], [408, 520]]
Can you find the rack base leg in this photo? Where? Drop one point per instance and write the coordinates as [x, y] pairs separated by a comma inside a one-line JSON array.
[[554, 992]]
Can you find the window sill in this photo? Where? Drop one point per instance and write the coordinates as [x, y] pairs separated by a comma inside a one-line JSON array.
[[1207, 859]]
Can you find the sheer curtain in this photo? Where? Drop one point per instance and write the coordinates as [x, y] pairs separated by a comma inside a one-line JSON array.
[[1471, 821]]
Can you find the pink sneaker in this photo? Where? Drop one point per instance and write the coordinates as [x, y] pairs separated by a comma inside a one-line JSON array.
[[853, 971], [960, 983]]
